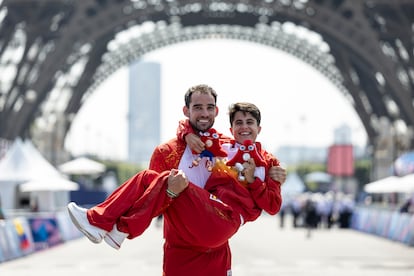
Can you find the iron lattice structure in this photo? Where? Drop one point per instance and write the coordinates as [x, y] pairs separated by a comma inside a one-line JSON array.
[[53, 54]]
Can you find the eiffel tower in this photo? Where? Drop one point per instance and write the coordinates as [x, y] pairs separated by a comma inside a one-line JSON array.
[[53, 54]]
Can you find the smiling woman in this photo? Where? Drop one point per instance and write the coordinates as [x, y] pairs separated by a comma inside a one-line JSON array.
[[296, 100]]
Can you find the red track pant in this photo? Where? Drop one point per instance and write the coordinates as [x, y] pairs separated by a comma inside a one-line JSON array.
[[197, 224]]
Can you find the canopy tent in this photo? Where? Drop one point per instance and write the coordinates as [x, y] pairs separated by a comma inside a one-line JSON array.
[[384, 185], [22, 163], [82, 166], [51, 194], [392, 184], [405, 184], [318, 181], [58, 184]]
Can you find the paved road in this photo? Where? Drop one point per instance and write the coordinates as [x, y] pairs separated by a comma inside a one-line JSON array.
[[259, 249]]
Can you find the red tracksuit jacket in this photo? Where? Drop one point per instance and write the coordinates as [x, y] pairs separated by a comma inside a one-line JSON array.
[[197, 224]]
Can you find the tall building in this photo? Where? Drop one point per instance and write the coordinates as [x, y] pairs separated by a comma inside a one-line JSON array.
[[343, 135], [144, 111]]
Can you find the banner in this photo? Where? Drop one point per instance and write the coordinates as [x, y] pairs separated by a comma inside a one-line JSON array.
[[341, 160]]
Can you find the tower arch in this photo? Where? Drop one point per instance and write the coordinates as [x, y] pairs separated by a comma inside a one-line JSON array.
[[55, 53]]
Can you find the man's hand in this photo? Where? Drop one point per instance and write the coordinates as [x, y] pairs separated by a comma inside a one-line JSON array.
[[248, 171], [194, 142], [177, 181], [278, 173]]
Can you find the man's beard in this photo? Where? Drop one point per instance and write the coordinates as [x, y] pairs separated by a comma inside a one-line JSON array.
[[197, 129]]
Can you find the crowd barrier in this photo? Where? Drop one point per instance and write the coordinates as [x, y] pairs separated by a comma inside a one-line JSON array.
[[388, 224], [25, 235]]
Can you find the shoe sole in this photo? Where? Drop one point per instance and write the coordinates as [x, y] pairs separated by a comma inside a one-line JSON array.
[[91, 237], [111, 242]]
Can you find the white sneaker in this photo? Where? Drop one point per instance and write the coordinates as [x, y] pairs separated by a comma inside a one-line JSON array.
[[80, 220], [115, 238]]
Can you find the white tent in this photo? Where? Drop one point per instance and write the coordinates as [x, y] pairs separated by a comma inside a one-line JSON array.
[[384, 185], [318, 181], [50, 194], [318, 177], [405, 184], [22, 163], [58, 184], [82, 166]]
